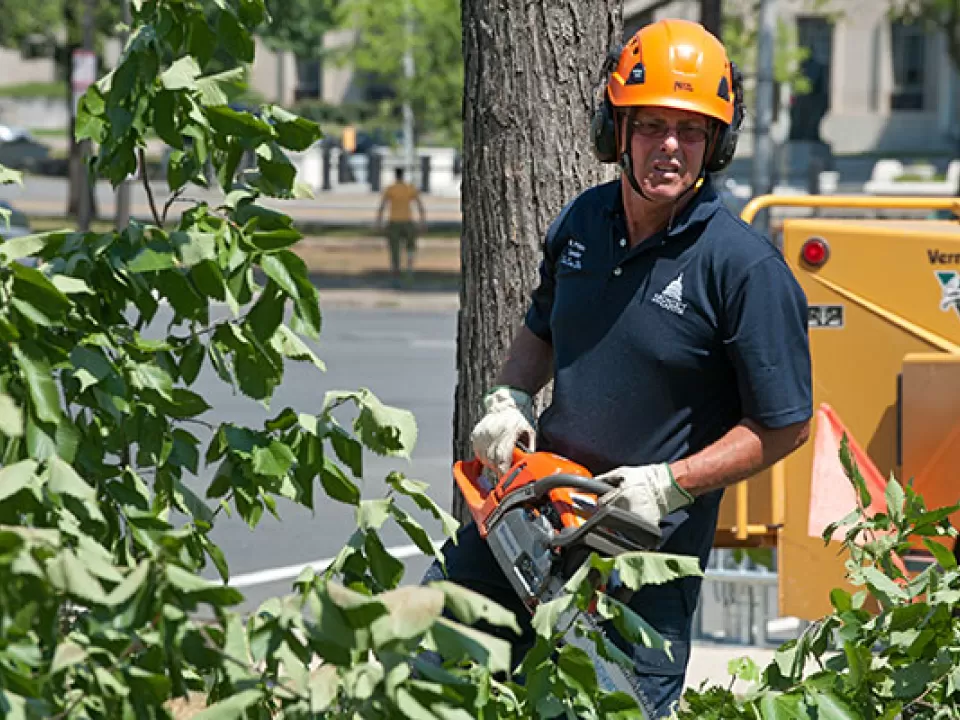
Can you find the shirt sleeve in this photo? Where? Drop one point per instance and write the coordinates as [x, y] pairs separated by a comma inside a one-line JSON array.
[[767, 341]]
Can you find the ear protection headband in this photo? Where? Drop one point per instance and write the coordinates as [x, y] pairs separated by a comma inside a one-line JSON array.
[[603, 131]]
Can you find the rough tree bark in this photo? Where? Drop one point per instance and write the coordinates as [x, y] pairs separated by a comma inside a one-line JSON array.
[[531, 73]]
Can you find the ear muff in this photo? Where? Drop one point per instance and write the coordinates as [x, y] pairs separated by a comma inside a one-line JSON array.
[[726, 143], [603, 132]]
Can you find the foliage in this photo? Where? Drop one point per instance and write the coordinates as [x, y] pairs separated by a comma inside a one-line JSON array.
[[936, 15], [105, 534], [434, 41], [740, 36], [889, 650], [298, 26]]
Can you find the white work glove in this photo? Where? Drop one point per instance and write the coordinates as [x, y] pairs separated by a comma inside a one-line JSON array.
[[508, 421], [648, 491]]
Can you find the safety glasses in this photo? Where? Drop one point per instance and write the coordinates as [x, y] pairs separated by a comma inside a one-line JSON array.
[[688, 132]]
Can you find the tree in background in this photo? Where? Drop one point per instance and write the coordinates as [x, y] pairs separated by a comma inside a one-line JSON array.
[[298, 27], [436, 89], [56, 27]]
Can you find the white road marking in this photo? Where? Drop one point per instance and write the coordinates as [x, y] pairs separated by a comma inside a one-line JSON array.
[[262, 577]]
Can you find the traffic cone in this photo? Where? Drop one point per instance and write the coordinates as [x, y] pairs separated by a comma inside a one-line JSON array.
[[832, 495]]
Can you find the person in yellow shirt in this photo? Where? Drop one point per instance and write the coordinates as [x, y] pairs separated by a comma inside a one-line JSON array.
[[401, 231]]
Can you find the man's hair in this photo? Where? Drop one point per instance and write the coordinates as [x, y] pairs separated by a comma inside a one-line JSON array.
[[398, 173]]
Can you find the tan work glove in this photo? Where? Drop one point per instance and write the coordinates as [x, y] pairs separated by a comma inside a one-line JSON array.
[[508, 422], [646, 490]]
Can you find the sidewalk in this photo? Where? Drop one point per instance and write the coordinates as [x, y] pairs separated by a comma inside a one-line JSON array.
[[708, 663]]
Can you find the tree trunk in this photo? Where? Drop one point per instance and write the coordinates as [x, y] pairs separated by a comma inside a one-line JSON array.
[[531, 78], [711, 16]]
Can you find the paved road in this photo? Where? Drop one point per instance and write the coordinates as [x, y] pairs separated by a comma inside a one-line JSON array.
[[46, 196], [406, 357]]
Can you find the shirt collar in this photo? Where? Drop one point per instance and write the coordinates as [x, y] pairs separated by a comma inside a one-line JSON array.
[[699, 210]]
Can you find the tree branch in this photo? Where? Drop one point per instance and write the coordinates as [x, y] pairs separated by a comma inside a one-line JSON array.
[[146, 186]]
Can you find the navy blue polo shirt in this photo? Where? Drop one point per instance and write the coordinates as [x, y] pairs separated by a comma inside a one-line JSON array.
[[661, 349]]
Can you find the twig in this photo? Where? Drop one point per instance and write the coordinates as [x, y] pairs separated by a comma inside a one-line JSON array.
[[170, 201], [146, 186]]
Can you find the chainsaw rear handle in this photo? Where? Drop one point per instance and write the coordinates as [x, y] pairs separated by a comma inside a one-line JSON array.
[[563, 480]]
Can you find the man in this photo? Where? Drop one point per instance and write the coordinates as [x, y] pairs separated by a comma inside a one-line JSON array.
[[675, 335], [401, 232]]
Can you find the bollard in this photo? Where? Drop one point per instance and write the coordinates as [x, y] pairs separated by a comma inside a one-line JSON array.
[[425, 174], [374, 169], [344, 175], [325, 169]]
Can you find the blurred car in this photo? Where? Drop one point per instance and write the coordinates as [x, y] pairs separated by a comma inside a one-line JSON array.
[[19, 224], [20, 151]]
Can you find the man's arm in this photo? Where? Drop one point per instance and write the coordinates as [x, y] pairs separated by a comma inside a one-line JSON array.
[[383, 204], [529, 363], [744, 451], [423, 214]]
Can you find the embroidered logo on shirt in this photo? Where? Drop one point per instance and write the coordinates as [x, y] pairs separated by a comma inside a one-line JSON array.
[[671, 298], [572, 255]]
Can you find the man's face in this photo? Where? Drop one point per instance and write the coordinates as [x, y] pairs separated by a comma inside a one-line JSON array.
[[667, 146]]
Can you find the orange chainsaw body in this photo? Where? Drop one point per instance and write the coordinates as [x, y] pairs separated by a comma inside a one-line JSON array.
[[483, 497]]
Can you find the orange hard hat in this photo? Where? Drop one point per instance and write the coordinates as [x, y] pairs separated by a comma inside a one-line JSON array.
[[675, 64]]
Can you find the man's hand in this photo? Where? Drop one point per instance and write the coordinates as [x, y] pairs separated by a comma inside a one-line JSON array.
[[508, 421], [648, 491]]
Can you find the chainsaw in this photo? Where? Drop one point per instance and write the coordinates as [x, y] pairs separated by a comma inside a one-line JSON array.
[[541, 520]]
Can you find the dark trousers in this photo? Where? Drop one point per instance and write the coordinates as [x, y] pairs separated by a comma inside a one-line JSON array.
[[658, 679]]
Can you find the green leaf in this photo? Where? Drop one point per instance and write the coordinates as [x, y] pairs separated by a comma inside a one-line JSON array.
[[547, 616], [181, 75], [417, 492], [411, 612], [91, 366], [233, 707], [841, 600], [386, 569], [358, 610], [883, 588], [235, 38], [11, 417], [67, 655], [16, 477], [21, 247], [637, 569], [630, 625], [454, 641], [69, 574], [150, 260], [230, 122], [63, 479], [777, 706], [337, 485], [288, 344], [10, 177], [832, 707], [909, 681], [324, 687], [470, 607], [944, 557], [165, 119], [274, 460], [145, 376], [130, 584], [40, 383], [895, 500]]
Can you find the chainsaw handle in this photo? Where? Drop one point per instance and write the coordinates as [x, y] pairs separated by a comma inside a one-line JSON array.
[[574, 482]]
